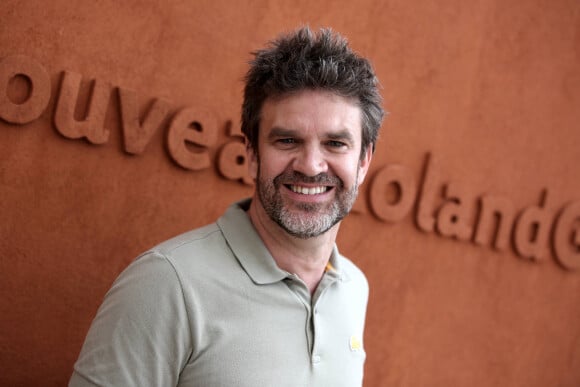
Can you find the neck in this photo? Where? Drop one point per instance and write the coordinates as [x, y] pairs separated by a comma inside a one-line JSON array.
[[306, 258]]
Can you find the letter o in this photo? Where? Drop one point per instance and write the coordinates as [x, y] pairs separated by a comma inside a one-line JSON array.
[[400, 179], [566, 237], [33, 107]]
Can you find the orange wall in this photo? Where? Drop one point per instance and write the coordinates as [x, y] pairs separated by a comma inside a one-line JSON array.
[[484, 103]]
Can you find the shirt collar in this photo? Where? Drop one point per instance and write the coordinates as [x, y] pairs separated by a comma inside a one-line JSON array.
[[250, 251], [247, 245], [334, 266]]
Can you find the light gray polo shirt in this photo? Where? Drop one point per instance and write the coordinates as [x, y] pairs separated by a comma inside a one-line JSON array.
[[211, 308]]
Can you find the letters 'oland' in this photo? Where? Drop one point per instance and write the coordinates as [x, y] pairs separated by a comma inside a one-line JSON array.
[[452, 211], [449, 210]]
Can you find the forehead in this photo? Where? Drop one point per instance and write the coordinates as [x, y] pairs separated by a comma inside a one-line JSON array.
[[311, 112]]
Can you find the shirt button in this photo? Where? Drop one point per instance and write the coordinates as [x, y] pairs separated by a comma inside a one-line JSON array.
[[315, 359]]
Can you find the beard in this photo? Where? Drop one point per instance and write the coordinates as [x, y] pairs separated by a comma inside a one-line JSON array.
[[305, 220]]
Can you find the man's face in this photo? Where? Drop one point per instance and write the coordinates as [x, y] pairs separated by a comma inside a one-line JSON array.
[[309, 164]]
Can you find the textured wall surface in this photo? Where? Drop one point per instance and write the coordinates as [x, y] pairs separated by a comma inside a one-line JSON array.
[[484, 119]]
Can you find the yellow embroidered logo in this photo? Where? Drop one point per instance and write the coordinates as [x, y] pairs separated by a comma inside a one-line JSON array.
[[355, 343]]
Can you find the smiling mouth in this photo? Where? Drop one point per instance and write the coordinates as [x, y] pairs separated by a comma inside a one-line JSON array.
[[309, 190]]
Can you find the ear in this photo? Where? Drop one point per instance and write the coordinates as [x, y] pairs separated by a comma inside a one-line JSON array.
[[364, 163], [252, 158]]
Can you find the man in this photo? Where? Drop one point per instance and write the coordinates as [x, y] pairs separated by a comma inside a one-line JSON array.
[[262, 297]]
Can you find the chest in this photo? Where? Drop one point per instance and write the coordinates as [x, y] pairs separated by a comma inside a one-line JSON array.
[[274, 335]]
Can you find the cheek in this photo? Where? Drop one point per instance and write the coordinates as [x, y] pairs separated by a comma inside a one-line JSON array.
[[273, 165], [349, 173]]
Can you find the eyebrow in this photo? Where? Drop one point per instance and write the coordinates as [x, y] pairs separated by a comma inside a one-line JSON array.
[[278, 132], [343, 135]]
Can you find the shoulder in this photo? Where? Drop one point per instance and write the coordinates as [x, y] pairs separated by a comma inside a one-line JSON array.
[[350, 268], [199, 237], [192, 256], [352, 273], [352, 290], [168, 255]]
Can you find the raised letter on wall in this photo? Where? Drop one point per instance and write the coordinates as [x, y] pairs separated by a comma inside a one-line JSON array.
[[566, 237], [92, 125], [452, 217], [392, 193], [500, 210], [197, 128], [532, 230], [28, 110], [136, 131]]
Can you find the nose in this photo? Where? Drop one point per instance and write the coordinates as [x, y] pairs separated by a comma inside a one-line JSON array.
[[310, 161]]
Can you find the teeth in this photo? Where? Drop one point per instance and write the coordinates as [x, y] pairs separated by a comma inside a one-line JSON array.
[[308, 190]]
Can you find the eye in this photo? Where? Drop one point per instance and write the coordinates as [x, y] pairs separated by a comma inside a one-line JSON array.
[[286, 141], [336, 144]]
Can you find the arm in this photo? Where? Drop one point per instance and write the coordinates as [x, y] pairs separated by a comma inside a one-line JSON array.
[[141, 335]]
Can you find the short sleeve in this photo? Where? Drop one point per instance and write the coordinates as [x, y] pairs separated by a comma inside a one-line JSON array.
[[141, 334]]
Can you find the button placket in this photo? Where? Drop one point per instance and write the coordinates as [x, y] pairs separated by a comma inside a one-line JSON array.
[[300, 291], [327, 281]]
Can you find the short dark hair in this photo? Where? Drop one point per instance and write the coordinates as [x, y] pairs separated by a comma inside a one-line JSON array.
[[305, 60]]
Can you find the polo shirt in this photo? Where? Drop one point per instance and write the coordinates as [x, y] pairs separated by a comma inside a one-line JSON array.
[[211, 308]]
